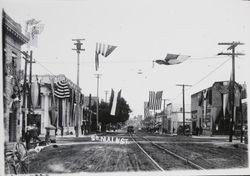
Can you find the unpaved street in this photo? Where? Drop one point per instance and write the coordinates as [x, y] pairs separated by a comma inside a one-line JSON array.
[[84, 155]]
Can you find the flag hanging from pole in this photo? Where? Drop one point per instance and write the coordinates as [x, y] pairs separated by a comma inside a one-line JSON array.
[[115, 102], [155, 99], [105, 50], [172, 59], [146, 110]]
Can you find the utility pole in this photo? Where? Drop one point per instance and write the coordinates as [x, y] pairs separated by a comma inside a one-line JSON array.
[[106, 95], [30, 83], [78, 50], [183, 103], [98, 76], [232, 46], [164, 107], [24, 118]]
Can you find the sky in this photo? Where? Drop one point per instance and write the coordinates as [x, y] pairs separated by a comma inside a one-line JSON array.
[[143, 30]]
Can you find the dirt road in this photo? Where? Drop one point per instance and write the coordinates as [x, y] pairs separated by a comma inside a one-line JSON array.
[[99, 156]]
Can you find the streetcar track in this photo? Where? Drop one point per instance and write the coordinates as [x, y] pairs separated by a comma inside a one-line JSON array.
[[194, 165], [157, 166]]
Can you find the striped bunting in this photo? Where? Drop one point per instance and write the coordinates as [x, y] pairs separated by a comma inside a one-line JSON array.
[[155, 99], [62, 89]]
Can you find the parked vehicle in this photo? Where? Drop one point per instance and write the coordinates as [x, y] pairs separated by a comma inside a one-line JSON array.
[[187, 130], [130, 129]]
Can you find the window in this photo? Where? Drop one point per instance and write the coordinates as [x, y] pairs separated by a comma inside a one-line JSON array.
[[13, 63]]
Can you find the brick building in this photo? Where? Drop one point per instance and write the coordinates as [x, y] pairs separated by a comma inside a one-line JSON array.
[[210, 109], [13, 39]]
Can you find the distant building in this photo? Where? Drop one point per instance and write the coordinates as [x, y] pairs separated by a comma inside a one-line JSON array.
[[211, 111], [13, 39], [174, 117]]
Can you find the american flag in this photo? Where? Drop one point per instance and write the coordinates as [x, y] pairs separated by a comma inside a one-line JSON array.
[[146, 109], [155, 99], [103, 49], [115, 98], [62, 89], [172, 59]]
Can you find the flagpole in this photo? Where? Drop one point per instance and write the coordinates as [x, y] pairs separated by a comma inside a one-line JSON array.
[[98, 76]]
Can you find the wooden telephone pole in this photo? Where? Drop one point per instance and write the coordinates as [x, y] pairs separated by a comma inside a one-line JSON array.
[[28, 59], [232, 46], [78, 50], [183, 103]]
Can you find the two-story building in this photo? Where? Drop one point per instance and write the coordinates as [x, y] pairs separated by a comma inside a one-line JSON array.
[[13, 39], [211, 111], [174, 117]]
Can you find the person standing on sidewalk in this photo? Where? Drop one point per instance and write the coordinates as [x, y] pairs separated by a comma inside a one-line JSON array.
[[34, 133], [27, 138], [82, 127]]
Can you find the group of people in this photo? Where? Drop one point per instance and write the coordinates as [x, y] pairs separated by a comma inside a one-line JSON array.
[[32, 133]]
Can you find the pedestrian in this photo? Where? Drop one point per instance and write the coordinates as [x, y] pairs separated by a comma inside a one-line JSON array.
[[27, 138], [82, 127], [34, 133], [173, 129], [197, 130], [201, 130], [62, 131]]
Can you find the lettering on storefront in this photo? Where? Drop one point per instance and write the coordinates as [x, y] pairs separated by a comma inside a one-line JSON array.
[[109, 139]]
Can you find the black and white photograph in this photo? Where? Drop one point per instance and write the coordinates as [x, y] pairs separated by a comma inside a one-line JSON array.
[[135, 87]]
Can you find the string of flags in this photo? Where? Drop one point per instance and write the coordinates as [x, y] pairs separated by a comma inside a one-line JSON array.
[[103, 49]]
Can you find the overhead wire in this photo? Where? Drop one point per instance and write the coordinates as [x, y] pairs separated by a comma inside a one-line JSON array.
[[203, 78]]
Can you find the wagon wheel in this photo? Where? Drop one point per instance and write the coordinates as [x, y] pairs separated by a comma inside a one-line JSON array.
[[9, 162], [21, 159]]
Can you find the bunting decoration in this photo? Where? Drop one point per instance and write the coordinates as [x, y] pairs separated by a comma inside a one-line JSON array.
[[172, 59], [115, 97], [205, 92], [53, 112], [103, 49], [62, 90], [225, 98], [32, 29], [35, 93], [155, 99]]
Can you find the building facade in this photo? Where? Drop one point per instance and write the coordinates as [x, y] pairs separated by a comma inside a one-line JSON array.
[[50, 110], [174, 117], [13, 39], [211, 110]]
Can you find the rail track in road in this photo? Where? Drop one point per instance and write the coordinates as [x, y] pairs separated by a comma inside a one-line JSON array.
[[162, 158]]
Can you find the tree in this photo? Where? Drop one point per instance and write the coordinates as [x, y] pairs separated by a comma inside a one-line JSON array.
[[122, 113]]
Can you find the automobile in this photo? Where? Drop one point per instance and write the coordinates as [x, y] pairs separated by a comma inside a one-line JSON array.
[[187, 130], [130, 129]]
